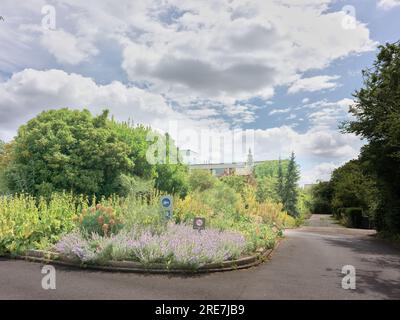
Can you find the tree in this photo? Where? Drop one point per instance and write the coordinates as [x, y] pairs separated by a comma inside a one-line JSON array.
[[322, 194], [290, 192], [136, 138], [201, 180], [172, 176], [267, 190], [267, 175], [67, 150], [351, 187], [377, 118], [3, 165], [280, 182]]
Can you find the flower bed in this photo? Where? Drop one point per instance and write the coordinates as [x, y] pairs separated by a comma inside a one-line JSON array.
[[178, 246]]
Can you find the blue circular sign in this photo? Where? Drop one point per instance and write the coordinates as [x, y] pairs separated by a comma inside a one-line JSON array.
[[166, 202]]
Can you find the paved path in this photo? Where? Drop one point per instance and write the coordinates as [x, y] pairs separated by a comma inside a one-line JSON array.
[[306, 265]]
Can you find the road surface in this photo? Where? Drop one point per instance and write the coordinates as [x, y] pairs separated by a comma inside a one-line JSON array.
[[306, 265]]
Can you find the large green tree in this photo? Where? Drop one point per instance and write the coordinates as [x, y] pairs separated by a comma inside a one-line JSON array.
[[67, 150], [377, 118], [352, 187]]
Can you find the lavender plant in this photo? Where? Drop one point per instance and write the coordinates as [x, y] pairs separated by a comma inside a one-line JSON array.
[[179, 245]]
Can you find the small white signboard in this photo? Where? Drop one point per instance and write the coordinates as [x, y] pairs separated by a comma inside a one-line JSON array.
[[199, 223]]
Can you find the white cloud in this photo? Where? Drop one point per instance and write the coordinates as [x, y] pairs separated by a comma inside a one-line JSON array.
[[278, 111], [388, 4], [313, 84], [327, 115], [320, 172], [29, 92], [192, 50], [66, 47]]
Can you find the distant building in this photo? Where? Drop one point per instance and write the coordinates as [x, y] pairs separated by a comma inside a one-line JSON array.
[[189, 157], [227, 169]]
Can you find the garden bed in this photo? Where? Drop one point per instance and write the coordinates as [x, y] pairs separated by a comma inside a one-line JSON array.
[[49, 257]]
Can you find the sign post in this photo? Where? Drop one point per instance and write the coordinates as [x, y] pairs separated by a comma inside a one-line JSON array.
[[167, 206], [199, 223]]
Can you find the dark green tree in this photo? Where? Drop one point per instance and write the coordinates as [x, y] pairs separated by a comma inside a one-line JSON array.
[[322, 194], [352, 187], [290, 192], [377, 118]]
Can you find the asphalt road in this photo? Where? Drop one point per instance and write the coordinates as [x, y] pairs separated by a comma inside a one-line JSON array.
[[306, 265]]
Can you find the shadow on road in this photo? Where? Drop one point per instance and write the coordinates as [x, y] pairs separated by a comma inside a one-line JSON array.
[[384, 258]]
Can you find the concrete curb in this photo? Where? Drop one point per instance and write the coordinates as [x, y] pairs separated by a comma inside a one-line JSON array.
[[135, 267]]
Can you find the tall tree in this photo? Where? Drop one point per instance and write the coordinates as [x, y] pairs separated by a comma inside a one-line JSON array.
[[290, 192], [377, 118]]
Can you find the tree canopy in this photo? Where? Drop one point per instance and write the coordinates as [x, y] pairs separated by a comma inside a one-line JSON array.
[[377, 118], [75, 151]]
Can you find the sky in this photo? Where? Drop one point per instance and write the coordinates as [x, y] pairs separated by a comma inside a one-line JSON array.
[[283, 72]]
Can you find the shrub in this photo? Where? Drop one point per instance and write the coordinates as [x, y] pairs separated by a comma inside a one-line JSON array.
[[178, 245], [26, 222], [224, 210], [237, 183], [67, 150], [131, 186], [201, 180], [142, 213], [353, 217], [99, 219]]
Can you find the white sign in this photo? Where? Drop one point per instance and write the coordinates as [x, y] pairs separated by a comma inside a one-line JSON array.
[[199, 223]]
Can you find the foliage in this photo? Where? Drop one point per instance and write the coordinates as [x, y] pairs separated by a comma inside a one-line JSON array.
[[376, 115], [266, 189], [224, 209], [270, 168], [136, 139], [134, 186], [5, 159], [99, 219], [280, 184], [304, 204], [322, 194], [142, 213], [352, 217], [67, 150], [178, 245], [26, 222], [237, 183], [290, 187], [172, 178], [201, 180], [351, 187], [172, 175]]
